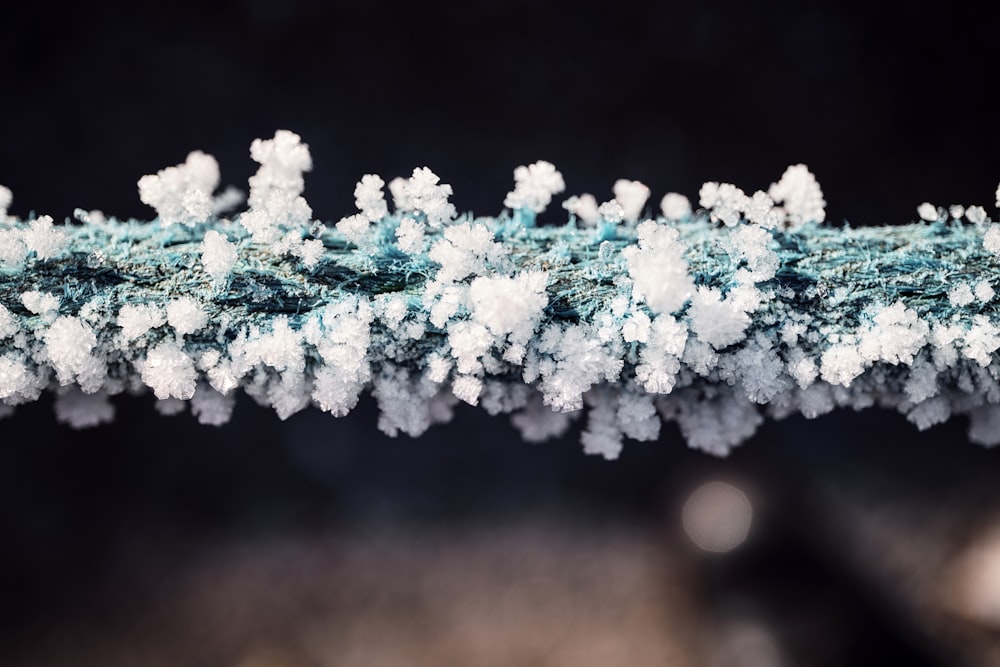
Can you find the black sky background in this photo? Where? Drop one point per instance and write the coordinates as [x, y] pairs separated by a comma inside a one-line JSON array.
[[889, 107]]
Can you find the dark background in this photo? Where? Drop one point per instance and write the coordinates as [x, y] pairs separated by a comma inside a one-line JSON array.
[[888, 107]]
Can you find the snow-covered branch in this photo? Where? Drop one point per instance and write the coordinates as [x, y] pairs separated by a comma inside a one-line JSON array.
[[715, 318]]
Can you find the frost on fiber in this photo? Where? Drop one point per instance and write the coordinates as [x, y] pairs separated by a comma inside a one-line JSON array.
[[711, 318]]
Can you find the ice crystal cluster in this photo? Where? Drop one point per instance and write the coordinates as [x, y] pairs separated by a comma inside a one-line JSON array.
[[623, 318]]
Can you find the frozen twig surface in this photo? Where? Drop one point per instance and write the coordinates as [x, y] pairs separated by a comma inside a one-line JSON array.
[[714, 318]]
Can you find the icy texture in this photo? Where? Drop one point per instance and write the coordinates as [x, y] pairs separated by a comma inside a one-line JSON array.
[[712, 319]]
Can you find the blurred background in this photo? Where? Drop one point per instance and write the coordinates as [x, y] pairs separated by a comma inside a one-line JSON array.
[[315, 541]]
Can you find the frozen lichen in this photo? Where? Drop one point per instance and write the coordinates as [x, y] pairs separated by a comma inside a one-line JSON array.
[[711, 318]]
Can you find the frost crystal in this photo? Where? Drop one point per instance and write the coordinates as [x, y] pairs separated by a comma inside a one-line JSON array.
[[928, 212], [632, 195], [991, 239], [611, 211], [534, 186], [715, 321], [725, 201], [658, 267], [186, 315], [275, 190], [8, 324], [752, 244], [659, 360], [711, 318], [583, 207], [40, 303], [81, 410], [169, 372], [6, 197], [578, 360], [961, 295], [44, 239], [976, 215], [509, 305], [283, 161], [370, 199], [68, 343], [800, 195], [12, 248], [410, 236], [135, 319], [675, 206], [465, 250], [354, 227], [423, 194], [218, 255], [182, 193], [984, 291], [15, 377]]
